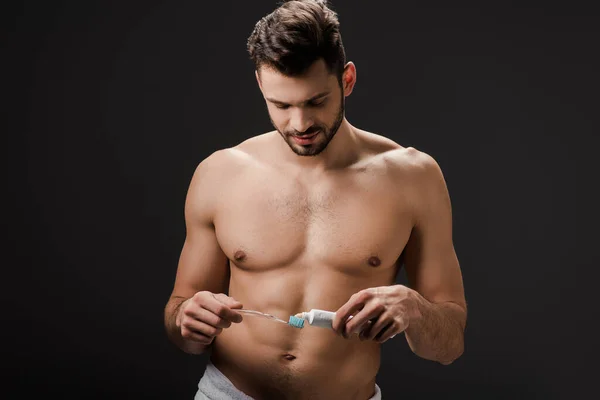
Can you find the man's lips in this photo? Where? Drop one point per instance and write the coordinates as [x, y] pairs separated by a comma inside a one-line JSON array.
[[307, 136], [305, 139]]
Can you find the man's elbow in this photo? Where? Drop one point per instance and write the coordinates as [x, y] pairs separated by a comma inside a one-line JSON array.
[[444, 360], [445, 356], [450, 358], [448, 361]]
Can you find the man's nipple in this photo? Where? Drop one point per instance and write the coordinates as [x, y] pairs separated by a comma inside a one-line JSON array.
[[239, 255], [374, 261]]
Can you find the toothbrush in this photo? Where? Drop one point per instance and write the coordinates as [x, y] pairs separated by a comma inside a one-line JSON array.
[[314, 317], [260, 314]]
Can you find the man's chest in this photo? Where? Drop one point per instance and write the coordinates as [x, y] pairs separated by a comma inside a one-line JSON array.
[[350, 224]]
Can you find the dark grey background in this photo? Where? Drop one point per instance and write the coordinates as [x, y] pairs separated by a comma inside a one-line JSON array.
[[110, 105]]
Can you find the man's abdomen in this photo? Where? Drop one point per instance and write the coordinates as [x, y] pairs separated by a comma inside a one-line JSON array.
[[308, 364], [267, 359]]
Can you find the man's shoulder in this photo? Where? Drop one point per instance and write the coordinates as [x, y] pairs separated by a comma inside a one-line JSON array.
[[226, 162], [417, 168], [397, 157], [415, 171], [412, 159]]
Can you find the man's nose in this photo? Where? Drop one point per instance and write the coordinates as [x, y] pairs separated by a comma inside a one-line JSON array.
[[301, 120]]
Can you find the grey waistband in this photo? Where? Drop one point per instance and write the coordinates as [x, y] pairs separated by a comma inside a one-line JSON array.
[[216, 386]]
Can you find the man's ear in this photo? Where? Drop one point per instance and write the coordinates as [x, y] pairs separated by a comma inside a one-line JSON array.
[[349, 78]]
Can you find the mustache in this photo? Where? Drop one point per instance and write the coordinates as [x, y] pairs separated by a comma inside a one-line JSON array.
[[308, 132]]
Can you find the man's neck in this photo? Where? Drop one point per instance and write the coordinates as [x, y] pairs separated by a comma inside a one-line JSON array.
[[341, 151]]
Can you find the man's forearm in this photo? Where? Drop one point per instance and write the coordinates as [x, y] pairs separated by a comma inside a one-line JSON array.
[[438, 335], [174, 332]]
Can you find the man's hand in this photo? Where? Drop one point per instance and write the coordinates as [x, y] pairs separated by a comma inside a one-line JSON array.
[[377, 313], [204, 316]]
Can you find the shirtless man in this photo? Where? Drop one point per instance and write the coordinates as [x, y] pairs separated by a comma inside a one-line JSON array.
[[315, 214]]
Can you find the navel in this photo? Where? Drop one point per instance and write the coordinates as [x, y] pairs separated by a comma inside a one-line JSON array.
[[374, 261], [239, 255]]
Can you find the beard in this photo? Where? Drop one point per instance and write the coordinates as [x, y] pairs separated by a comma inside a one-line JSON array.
[[324, 136]]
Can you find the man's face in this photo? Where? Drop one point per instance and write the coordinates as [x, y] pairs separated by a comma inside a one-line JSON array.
[[308, 110]]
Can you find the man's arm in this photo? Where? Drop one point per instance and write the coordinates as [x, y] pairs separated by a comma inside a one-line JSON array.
[[432, 313], [202, 265], [433, 271]]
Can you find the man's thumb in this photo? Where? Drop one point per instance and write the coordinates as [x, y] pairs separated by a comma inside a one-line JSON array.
[[233, 303], [229, 301]]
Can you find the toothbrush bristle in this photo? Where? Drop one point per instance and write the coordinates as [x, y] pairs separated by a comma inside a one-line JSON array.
[[296, 322]]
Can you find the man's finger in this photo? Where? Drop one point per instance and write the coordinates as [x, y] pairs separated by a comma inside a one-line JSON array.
[[230, 301], [370, 312], [196, 337], [222, 310], [199, 331], [390, 331], [202, 314], [378, 327], [355, 304]]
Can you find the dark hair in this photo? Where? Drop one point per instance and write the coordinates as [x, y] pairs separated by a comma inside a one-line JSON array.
[[295, 35]]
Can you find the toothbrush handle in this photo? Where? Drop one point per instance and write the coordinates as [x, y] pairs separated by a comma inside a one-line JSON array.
[[260, 314], [250, 312]]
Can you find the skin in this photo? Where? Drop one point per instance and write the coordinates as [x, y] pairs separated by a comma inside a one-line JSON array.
[[281, 228]]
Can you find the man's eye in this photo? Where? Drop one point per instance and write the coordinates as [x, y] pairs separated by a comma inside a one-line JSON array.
[[282, 107], [317, 104]]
